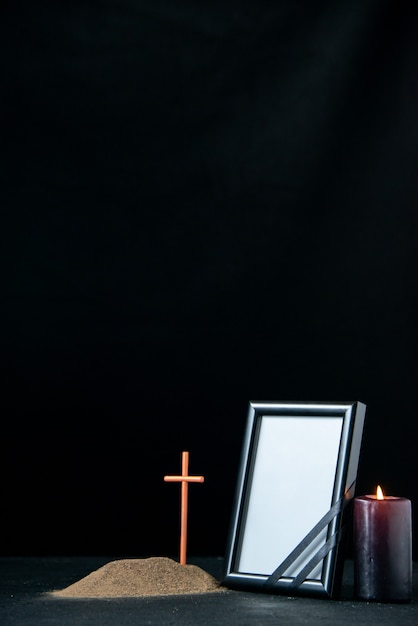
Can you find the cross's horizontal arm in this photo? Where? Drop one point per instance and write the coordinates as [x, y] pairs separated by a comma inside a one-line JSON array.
[[186, 479]]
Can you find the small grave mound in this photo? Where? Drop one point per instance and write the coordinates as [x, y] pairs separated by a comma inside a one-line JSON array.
[[155, 576]]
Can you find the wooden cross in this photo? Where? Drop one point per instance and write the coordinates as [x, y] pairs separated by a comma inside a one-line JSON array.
[[185, 480]]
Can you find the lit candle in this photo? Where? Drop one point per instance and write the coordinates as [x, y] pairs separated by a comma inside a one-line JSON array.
[[382, 548]]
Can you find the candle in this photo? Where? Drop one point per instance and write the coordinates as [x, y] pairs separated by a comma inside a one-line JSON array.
[[382, 548]]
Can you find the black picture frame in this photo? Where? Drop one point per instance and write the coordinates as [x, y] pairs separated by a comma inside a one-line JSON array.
[[295, 484]]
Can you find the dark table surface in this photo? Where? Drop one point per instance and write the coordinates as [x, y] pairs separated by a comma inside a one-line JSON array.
[[24, 583]]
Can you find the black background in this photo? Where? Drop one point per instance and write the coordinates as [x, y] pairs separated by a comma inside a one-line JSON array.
[[203, 203]]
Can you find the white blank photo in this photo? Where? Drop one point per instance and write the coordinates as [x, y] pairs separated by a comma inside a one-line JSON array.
[[291, 488]]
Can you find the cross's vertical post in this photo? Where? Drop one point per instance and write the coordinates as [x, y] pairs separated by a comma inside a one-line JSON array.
[[185, 479], [184, 507]]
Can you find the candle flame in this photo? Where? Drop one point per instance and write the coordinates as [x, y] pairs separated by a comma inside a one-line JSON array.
[[379, 493]]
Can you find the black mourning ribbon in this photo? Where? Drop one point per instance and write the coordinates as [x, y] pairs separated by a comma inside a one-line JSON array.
[[337, 508]]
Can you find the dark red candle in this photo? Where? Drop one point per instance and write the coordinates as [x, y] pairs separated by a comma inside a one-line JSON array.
[[382, 549]]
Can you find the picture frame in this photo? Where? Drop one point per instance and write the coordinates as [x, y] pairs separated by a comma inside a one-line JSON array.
[[295, 484]]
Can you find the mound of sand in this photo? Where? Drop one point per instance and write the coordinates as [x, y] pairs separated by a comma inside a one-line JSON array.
[[155, 576]]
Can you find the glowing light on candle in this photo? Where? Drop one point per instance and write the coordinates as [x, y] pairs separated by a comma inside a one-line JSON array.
[[379, 493]]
